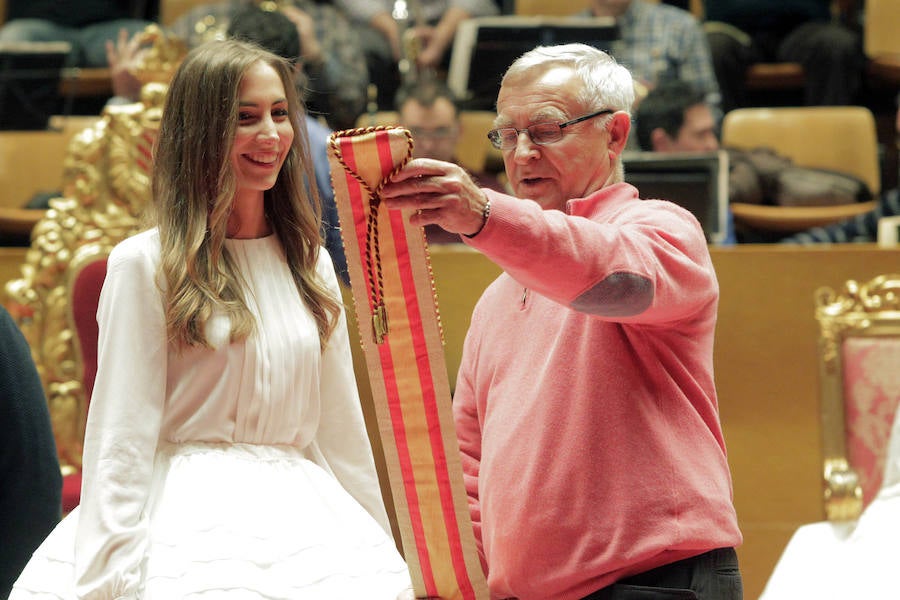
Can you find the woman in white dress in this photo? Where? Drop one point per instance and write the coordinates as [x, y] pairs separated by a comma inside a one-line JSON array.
[[225, 454]]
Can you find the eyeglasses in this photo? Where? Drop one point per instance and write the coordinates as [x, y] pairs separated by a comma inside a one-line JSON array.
[[506, 138]]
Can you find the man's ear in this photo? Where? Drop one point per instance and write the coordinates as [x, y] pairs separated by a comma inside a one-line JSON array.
[[660, 140], [618, 132]]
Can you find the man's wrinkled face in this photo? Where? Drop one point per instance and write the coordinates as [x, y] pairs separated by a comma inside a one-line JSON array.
[[573, 167]]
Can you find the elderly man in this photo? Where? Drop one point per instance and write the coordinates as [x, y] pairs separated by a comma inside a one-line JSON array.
[[585, 403]]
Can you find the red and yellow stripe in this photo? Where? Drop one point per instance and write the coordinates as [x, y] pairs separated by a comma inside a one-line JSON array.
[[407, 370]]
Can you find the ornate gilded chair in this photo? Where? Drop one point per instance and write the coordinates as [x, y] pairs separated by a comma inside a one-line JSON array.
[[106, 186], [859, 349]]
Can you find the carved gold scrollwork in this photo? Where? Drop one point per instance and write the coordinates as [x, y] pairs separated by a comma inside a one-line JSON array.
[[106, 186], [843, 494]]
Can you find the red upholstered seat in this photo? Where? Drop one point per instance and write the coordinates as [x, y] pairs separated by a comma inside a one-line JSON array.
[[85, 296], [85, 299], [71, 491]]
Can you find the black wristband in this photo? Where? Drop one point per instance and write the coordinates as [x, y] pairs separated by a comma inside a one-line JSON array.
[[485, 213]]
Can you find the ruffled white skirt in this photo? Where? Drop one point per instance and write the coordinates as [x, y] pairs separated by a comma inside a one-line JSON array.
[[242, 521]]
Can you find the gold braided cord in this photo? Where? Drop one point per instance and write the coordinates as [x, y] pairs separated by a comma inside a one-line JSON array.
[[373, 252]]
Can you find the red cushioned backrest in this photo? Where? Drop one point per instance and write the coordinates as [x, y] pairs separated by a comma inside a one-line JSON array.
[[871, 395], [85, 299]]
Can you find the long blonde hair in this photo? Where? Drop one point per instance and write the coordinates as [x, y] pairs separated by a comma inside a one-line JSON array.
[[193, 188]]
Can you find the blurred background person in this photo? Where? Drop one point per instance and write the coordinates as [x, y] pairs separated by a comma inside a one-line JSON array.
[[675, 117], [418, 31], [660, 43], [85, 24], [744, 32], [331, 54], [429, 110]]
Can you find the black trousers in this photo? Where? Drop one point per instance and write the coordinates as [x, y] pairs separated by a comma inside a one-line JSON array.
[[713, 575]]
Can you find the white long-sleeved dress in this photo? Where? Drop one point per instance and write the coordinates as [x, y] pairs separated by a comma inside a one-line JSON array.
[[242, 471]]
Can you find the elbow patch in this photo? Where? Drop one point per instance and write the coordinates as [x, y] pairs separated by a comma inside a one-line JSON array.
[[619, 295]]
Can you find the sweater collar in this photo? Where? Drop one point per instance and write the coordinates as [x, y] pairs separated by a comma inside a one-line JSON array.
[[606, 198]]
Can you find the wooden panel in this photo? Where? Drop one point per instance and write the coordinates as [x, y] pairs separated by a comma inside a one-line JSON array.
[[11, 261], [775, 76], [880, 28], [86, 82], [32, 161], [557, 8]]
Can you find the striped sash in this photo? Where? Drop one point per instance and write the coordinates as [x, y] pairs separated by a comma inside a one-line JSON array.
[[397, 313]]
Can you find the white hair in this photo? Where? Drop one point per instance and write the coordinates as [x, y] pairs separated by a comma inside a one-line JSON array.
[[607, 84]]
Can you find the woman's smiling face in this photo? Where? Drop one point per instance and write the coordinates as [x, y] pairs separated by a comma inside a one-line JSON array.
[[264, 132]]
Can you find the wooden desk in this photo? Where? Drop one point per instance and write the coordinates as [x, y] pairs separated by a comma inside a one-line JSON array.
[[83, 82]]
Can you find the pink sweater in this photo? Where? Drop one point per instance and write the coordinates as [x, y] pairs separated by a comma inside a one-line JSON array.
[[585, 403]]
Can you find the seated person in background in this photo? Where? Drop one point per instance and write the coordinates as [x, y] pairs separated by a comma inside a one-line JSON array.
[[85, 24], [744, 32], [30, 480], [660, 43], [675, 118], [430, 111], [331, 53], [382, 35]]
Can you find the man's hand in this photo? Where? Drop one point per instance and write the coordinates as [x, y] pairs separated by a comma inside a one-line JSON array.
[[439, 192], [124, 56]]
